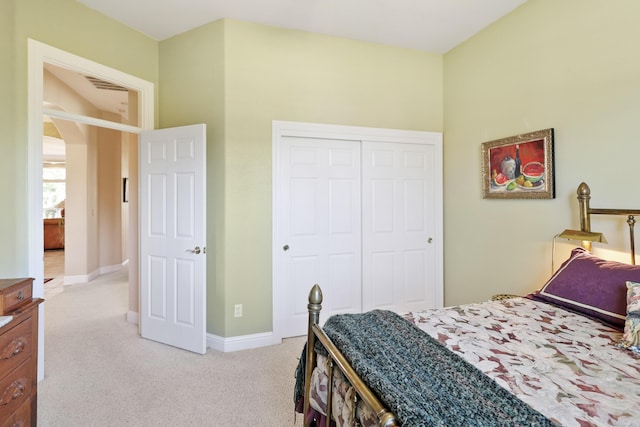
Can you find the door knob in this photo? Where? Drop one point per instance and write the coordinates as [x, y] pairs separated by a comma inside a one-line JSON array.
[[195, 250], [429, 240], [285, 248]]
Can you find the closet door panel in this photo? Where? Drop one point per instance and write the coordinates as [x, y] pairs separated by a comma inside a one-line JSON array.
[[398, 218], [382, 274], [321, 231]]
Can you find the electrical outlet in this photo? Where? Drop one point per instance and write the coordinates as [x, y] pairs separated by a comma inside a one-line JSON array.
[[237, 310]]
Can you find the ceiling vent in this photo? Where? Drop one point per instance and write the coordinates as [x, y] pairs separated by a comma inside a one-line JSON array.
[[102, 84]]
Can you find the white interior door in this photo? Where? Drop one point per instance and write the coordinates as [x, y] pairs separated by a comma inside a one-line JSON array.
[[173, 236], [320, 240], [400, 226]]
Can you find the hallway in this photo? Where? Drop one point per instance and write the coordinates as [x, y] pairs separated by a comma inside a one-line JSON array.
[[54, 270]]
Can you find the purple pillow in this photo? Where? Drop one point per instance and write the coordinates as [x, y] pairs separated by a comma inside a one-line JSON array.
[[592, 286]]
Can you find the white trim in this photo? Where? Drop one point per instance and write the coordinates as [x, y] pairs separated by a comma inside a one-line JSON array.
[[282, 129], [92, 121], [80, 278], [109, 269], [133, 317], [243, 342], [38, 54], [318, 130], [86, 278]]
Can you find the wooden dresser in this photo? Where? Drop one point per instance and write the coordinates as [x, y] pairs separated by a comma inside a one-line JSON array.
[[18, 354]]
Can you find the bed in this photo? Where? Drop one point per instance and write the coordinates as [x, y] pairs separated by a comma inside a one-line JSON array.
[[567, 354]]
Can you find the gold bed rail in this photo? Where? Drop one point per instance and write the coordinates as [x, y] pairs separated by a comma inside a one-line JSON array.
[[584, 196], [385, 417]]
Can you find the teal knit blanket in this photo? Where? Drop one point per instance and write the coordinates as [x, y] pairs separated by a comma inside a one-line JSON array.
[[419, 379]]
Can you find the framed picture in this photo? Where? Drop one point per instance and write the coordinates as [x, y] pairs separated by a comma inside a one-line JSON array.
[[125, 190], [519, 167]]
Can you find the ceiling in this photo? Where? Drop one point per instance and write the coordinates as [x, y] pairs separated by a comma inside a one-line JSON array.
[[430, 25], [102, 95]]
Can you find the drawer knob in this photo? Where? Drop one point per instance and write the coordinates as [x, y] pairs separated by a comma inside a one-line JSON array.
[[15, 347], [20, 296], [12, 392]]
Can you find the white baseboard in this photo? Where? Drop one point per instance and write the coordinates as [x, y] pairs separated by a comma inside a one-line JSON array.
[[243, 342], [110, 269], [229, 344], [86, 278], [132, 317], [81, 278]]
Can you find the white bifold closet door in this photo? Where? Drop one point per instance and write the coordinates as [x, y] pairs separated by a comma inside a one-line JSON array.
[[362, 218], [320, 217], [398, 219]]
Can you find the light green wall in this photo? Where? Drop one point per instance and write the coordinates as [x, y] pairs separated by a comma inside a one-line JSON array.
[[192, 91], [10, 258], [67, 25], [276, 74], [571, 65]]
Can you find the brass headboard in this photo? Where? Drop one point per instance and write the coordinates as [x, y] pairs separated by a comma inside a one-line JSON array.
[[584, 195]]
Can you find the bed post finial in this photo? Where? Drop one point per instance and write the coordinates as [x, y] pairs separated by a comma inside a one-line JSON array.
[[584, 195], [583, 189], [315, 295]]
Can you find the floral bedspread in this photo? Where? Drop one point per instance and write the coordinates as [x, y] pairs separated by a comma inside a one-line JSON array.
[[564, 365]]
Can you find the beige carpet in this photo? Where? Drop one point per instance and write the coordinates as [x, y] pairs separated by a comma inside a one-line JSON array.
[[98, 372]]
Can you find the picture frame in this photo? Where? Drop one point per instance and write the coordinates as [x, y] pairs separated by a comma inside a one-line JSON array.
[[125, 190], [519, 167]]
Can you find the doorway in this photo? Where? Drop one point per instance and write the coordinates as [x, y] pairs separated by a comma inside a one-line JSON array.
[[39, 55], [85, 202], [53, 199]]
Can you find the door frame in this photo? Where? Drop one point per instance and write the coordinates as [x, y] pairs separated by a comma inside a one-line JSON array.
[[39, 54], [281, 129]]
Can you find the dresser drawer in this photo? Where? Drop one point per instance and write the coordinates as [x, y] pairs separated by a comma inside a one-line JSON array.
[[18, 353], [15, 389], [20, 418], [15, 345], [15, 294]]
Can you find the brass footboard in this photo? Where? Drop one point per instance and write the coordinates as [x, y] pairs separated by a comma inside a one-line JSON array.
[[385, 417]]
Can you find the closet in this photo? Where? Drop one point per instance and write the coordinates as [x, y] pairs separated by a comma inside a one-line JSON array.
[[358, 211]]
